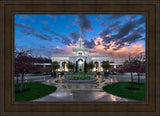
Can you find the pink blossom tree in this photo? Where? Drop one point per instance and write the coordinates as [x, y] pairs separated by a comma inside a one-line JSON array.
[[23, 64], [130, 65], [140, 68], [120, 69], [112, 70]]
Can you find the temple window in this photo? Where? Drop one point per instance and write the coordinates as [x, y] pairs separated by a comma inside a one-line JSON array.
[[80, 53]]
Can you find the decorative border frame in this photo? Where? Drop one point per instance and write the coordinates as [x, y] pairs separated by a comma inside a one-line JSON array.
[[149, 7]]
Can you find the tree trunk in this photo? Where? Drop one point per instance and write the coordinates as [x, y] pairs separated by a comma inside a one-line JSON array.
[[138, 78], [22, 82], [17, 79], [131, 80]]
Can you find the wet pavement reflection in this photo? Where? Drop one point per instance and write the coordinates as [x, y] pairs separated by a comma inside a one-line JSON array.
[[80, 92]]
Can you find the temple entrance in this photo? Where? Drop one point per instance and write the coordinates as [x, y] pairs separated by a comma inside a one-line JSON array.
[[80, 64], [64, 66], [96, 66]]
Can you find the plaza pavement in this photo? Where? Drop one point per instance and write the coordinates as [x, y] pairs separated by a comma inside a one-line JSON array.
[[80, 92]]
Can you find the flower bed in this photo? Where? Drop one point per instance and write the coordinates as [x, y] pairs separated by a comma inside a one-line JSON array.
[[80, 79], [80, 73]]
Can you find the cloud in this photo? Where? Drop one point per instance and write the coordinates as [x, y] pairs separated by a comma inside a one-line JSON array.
[[67, 50], [25, 26], [32, 31], [54, 17], [104, 33], [84, 23], [67, 26], [99, 17], [74, 35], [114, 17], [125, 29], [26, 17], [140, 30], [43, 36], [89, 43], [112, 51], [129, 39], [45, 22], [70, 20], [141, 20], [114, 25], [64, 39], [26, 32], [129, 32]]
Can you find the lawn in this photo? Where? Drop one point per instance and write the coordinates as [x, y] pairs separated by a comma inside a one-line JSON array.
[[36, 90], [119, 89]]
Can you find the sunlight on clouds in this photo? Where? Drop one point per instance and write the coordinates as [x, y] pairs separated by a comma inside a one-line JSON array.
[[68, 49], [122, 52], [100, 49]]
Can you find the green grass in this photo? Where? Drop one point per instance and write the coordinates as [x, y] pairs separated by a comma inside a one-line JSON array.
[[119, 89], [37, 90]]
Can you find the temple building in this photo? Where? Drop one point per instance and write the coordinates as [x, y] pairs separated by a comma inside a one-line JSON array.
[[79, 58]]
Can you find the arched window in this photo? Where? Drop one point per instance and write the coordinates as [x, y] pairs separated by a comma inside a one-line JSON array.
[[80, 53]]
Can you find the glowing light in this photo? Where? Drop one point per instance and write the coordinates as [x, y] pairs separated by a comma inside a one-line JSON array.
[[107, 35]]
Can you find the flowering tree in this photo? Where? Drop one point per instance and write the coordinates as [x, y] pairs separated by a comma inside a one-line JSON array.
[[140, 68], [130, 65], [23, 65], [121, 69], [111, 69]]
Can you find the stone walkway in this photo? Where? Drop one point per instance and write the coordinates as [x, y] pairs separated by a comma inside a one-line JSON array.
[[81, 96], [68, 92]]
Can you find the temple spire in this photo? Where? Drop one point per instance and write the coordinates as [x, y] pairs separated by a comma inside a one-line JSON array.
[[80, 44]]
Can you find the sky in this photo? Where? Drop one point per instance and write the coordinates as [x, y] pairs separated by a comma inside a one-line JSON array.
[[117, 36]]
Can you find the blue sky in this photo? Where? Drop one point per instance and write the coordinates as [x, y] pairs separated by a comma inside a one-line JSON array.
[[114, 35]]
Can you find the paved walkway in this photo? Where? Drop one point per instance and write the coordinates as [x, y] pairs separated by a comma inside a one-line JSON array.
[[80, 92], [81, 96]]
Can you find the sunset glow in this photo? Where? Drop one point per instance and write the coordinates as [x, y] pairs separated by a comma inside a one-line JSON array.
[[114, 35]]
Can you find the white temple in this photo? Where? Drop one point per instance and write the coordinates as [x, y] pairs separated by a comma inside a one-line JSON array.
[[79, 56]]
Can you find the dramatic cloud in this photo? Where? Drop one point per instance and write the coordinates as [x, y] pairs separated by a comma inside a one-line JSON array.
[[32, 31], [113, 35], [129, 39], [129, 33], [25, 26], [84, 23], [89, 43], [74, 35], [122, 52], [44, 37], [104, 33], [126, 28], [64, 39], [114, 24]]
